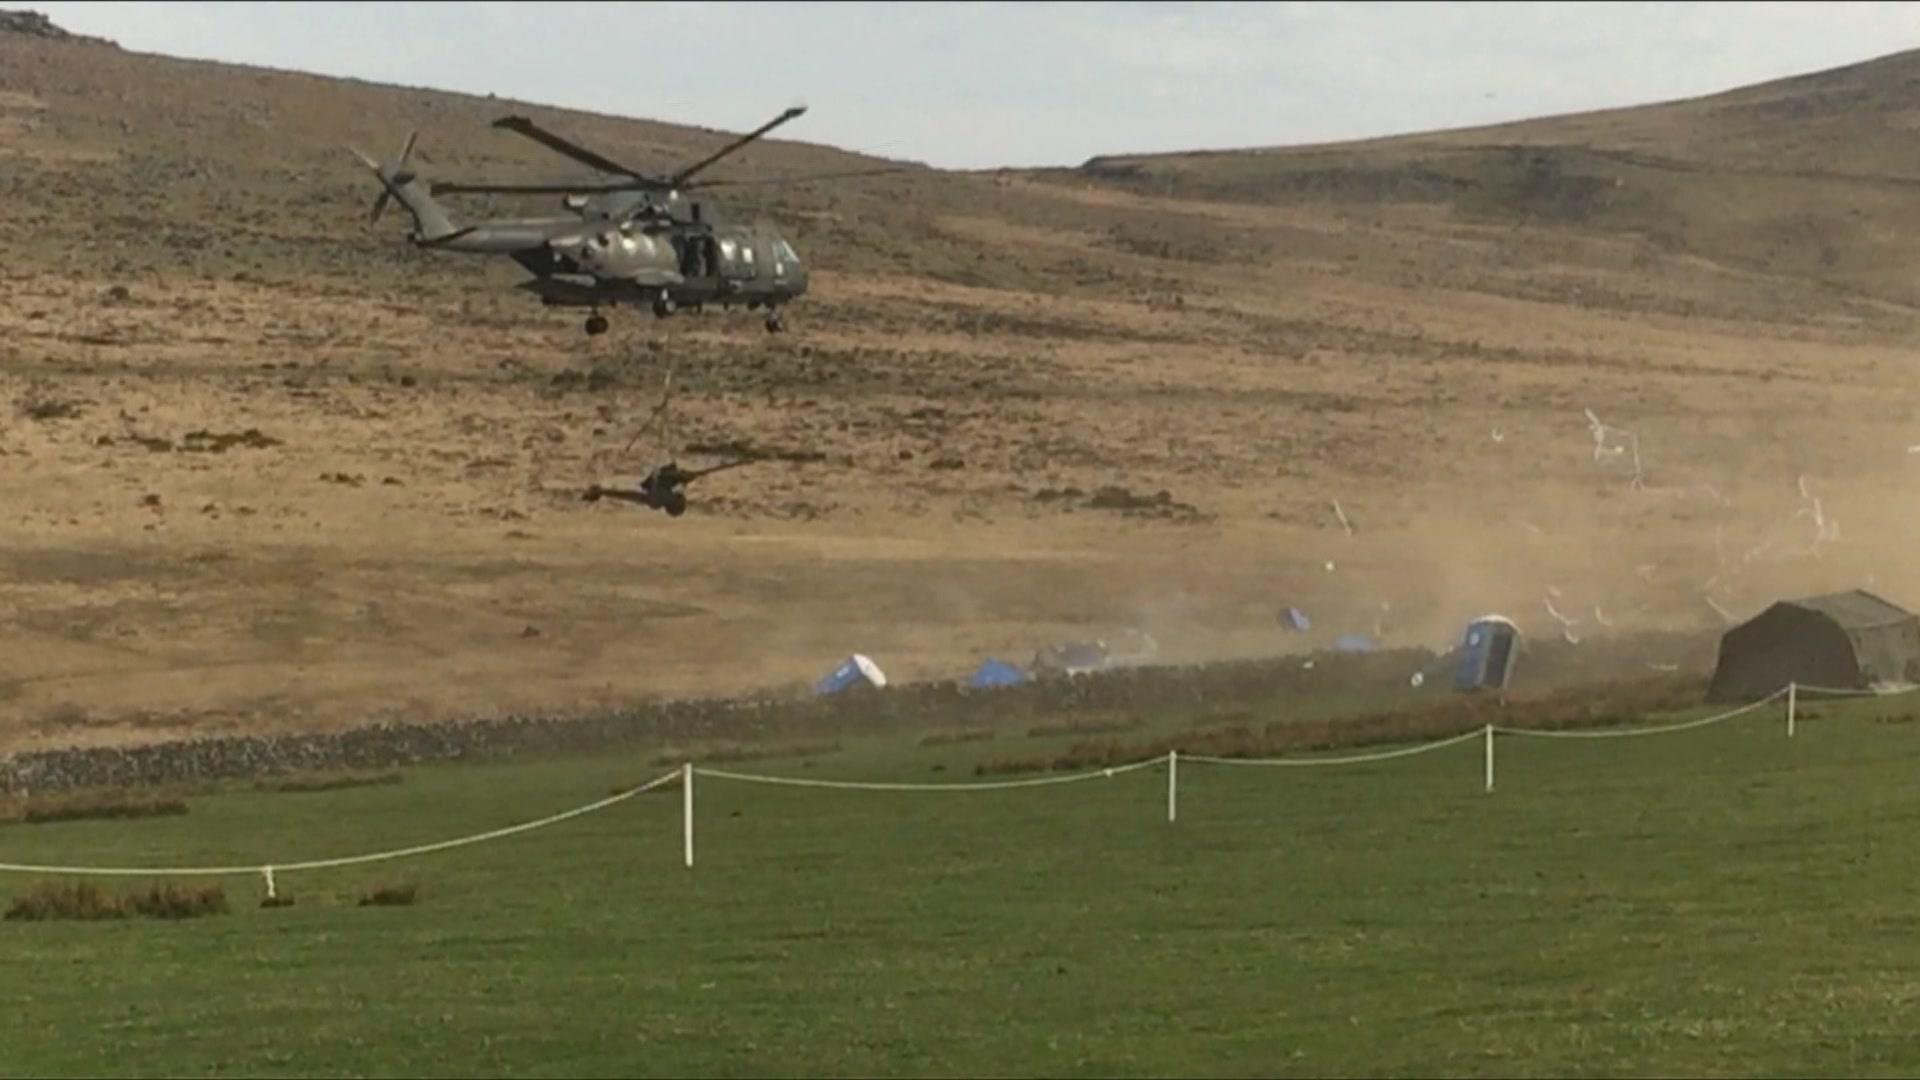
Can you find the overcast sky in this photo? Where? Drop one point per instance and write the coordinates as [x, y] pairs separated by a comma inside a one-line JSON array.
[[983, 84]]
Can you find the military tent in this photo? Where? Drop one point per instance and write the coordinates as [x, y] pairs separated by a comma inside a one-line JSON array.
[[1844, 641]]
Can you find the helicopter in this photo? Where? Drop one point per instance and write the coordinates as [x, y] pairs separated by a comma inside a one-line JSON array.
[[636, 240]]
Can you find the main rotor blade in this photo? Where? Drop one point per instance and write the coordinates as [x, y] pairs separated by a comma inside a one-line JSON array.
[[850, 175], [455, 188], [683, 175], [522, 126]]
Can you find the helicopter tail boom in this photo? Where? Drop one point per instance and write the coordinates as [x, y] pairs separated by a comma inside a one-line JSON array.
[[399, 182]]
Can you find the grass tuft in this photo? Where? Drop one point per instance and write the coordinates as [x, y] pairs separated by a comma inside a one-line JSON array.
[[1086, 725], [739, 752], [100, 804], [177, 901], [404, 895], [308, 782], [952, 738], [88, 902]]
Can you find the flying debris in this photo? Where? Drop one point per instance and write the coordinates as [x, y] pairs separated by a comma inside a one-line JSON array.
[[1825, 530], [1724, 613], [1566, 624], [1342, 515], [1608, 445]]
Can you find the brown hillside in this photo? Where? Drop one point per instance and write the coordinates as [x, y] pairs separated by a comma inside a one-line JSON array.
[[265, 465], [1817, 175]]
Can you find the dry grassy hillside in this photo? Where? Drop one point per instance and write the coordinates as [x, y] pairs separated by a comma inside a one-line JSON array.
[[265, 465], [1816, 176]]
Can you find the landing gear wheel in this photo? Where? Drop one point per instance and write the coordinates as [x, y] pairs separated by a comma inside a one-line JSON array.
[[596, 325], [775, 324], [662, 307], [674, 504]]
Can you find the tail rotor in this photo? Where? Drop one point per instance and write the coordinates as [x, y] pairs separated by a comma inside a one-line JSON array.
[[398, 177]]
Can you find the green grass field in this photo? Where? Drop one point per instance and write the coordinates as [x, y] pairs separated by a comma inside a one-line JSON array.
[[1720, 901]]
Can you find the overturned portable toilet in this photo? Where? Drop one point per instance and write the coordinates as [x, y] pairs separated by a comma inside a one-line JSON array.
[[1355, 643], [1842, 641], [1487, 654], [1295, 620], [996, 673], [854, 672], [1072, 658]]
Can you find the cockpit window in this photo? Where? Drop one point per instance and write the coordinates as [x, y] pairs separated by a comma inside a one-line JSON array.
[[786, 252]]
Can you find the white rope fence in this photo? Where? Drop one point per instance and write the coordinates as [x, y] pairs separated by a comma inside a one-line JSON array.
[[267, 871], [986, 785], [1173, 758], [1351, 759], [685, 774]]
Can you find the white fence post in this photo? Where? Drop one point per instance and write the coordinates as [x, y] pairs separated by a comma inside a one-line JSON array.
[[1173, 767], [267, 872], [1489, 757], [686, 808], [1793, 694]]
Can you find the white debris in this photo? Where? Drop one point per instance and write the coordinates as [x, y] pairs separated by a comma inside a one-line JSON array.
[[1610, 443], [1559, 618], [1342, 515], [1824, 530], [1419, 679]]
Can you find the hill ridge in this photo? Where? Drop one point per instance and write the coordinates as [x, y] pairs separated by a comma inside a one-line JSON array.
[[1900, 58]]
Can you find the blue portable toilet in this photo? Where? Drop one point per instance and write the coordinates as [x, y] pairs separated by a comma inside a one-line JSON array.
[[1487, 654], [996, 673], [854, 671], [1295, 619], [1355, 643]]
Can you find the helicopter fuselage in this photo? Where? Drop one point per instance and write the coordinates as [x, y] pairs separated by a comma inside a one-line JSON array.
[[672, 269]]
